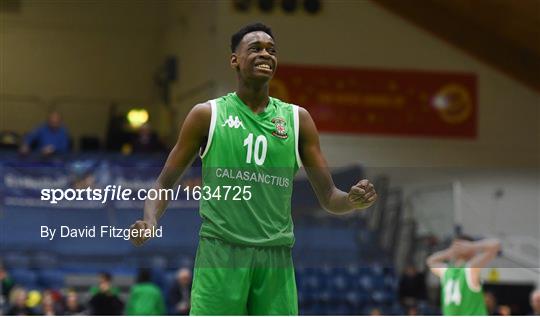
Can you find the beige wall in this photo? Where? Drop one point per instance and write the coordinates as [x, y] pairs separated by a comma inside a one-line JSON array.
[[362, 34], [100, 51], [77, 57], [95, 52]]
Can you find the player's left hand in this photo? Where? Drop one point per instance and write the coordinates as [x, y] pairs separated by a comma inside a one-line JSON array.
[[362, 195]]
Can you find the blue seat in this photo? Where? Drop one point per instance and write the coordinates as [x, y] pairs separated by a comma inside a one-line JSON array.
[[378, 283], [314, 279], [365, 283], [185, 260], [24, 277], [16, 260], [396, 310], [15, 224], [377, 271], [301, 297], [356, 298], [44, 260], [378, 297], [390, 283], [311, 295], [51, 279], [339, 309], [325, 296], [154, 262], [339, 283]]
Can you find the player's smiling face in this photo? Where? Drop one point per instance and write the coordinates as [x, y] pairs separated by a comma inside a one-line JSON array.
[[255, 57]]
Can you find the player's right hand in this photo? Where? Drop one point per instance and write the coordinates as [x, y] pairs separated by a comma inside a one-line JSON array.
[[140, 224]]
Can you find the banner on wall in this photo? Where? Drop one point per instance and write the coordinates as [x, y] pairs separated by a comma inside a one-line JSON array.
[[384, 102], [68, 183]]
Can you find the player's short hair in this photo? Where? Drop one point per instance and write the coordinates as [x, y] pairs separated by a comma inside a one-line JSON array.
[[144, 275], [237, 37], [464, 237], [106, 276]]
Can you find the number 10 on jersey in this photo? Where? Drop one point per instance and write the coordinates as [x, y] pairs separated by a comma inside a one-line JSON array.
[[259, 152]]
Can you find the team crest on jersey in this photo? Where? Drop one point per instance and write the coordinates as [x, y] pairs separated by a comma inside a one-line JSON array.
[[281, 128]]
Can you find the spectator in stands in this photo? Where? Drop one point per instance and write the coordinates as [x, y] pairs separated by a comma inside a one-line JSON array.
[[493, 308], [105, 300], [145, 298], [375, 312], [146, 141], [49, 138], [17, 300], [491, 304], [412, 310], [535, 302], [49, 305], [116, 129], [412, 286], [6, 284], [179, 294], [72, 305], [433, 290]]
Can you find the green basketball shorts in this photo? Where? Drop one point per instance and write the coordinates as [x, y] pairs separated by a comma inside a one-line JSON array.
[[243, 280]]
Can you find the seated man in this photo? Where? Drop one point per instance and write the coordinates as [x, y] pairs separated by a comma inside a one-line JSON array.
[[180, 293], [105, 299], [49, 138], [535, 302]]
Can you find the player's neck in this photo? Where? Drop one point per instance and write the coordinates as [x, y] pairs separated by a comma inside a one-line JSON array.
[[254, 96]]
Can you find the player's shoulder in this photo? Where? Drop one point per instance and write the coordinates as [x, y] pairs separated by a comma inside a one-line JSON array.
[[280, 103], [439, 271], [199, 116], [303, 114], [203, 109], [203, 106]]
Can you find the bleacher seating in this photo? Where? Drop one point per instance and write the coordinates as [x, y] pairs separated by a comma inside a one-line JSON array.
[[344, 290], [336, 271]]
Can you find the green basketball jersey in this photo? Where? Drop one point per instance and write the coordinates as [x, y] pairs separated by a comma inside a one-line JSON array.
[[457, 297], [254, 157]]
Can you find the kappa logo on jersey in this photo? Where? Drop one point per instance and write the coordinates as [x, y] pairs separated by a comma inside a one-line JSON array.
[[233, 123], [281, 128]]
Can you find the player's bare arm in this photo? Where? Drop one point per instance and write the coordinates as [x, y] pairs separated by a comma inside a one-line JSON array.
[[437, 261], [485, 251], [192, 135], [360, 196]]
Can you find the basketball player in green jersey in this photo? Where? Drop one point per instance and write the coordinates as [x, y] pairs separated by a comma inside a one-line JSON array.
[[251, 146], [459, 270]]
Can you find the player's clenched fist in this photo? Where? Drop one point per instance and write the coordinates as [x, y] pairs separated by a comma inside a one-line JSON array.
[[362, 195], [139, 226]]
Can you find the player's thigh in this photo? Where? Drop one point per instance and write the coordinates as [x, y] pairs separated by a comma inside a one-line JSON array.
[[273, 292], [219, 291], [220, 286]]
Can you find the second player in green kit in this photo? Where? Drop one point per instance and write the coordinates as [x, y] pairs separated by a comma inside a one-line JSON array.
[[251, 147], [458, 268]]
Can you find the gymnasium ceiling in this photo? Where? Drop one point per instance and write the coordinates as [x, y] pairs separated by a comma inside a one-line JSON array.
[[502, 33]]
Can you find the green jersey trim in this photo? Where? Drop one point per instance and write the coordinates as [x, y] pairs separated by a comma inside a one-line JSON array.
[[213, 118], [296, 134]]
